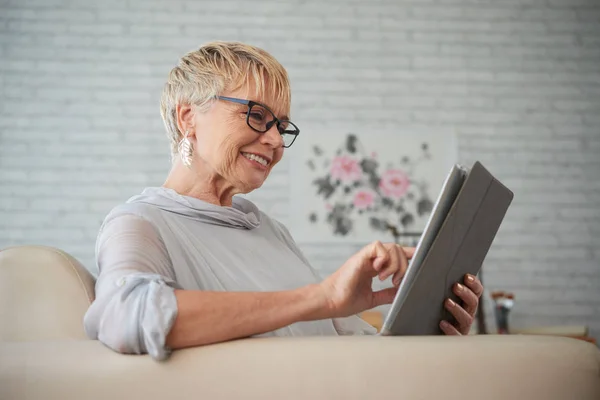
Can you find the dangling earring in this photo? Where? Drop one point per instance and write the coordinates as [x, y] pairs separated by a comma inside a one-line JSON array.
[[185, 150]]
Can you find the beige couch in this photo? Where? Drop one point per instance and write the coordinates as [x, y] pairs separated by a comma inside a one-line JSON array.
[[44, 354]]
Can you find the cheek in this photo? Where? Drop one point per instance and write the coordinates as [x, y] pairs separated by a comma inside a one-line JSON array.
[[229, 151], [230, 141], [277, 156]]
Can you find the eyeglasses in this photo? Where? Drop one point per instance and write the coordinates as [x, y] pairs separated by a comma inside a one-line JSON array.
[[260, 118]]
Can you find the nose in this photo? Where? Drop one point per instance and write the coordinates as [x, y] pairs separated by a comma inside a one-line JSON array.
[[272, 138]]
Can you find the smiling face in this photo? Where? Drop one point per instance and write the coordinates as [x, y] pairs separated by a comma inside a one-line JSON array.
[[230, 150], [227, 156]]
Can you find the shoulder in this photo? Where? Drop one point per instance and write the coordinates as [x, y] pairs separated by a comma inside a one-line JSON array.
[[135, 210], [123, 223], [129, 218], [141, 210]]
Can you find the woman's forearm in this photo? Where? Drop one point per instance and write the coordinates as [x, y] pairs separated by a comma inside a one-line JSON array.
[[210, 317]]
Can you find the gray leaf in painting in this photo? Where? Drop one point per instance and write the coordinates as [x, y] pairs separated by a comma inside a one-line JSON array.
[[342, 225], [369, 166], [374, 181], [387, 203], [377, 224], [407, 219], [324, 186], [424, 206], [351, 143]]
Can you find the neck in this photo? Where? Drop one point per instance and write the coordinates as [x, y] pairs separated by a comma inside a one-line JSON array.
[[197, 182]]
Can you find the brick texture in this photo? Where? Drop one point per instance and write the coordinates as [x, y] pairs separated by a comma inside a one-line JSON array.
[[518, 80]]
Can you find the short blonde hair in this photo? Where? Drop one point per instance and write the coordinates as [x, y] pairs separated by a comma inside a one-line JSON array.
[[214, 68]]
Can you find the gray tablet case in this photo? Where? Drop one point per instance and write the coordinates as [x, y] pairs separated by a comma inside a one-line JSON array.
[[460, 247]]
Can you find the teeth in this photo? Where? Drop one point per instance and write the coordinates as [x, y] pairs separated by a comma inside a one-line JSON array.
[[255, 158]]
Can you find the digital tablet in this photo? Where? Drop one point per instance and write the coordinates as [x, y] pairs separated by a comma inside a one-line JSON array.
[[458, 235]]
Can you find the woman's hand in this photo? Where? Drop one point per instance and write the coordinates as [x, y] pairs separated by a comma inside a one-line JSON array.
[[464, 314], [349, 291]]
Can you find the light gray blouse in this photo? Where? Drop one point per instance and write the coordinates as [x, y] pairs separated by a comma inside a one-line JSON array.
[[160, 241]]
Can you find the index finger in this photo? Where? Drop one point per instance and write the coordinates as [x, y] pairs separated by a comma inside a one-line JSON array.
[[377, 253], [403, 258], [408, 251]]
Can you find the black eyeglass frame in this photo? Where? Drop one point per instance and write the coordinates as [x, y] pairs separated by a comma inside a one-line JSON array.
[[269, 125]]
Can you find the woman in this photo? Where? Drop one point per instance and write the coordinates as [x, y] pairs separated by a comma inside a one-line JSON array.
[[188, 264]]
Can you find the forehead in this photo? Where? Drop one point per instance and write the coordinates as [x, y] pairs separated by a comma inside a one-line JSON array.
[[263, 94]]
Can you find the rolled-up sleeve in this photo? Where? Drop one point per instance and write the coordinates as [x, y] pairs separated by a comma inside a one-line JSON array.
[[135, 305]]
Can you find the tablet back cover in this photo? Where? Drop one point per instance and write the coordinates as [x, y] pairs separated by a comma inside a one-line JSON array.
[[459, 248]]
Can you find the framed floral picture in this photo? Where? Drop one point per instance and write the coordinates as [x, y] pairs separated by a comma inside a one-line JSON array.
[[360, 186]]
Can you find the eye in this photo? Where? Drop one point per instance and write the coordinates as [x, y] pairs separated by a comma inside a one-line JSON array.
[[257, 116]]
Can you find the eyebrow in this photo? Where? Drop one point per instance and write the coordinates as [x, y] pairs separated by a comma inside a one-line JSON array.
[[282, 118]]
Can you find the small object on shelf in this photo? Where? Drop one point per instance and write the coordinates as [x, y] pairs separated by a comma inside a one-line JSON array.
[[504, 302]]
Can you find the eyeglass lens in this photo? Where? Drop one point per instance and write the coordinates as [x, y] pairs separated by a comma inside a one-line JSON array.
[[262, 120]]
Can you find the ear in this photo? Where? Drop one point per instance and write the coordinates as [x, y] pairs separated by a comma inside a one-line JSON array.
[[185, 118]]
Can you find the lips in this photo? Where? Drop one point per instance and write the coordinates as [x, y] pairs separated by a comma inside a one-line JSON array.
[[260, 158]]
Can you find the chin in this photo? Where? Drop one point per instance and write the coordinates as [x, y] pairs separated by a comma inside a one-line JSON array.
[[250, 186], [247, 183], [251, 178]]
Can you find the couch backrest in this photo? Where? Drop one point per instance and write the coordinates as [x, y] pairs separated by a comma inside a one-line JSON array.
[[44, 294]]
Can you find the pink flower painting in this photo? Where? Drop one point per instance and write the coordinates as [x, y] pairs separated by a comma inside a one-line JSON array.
[[345, 168], [355, 193], [394, 183], [364, 199]]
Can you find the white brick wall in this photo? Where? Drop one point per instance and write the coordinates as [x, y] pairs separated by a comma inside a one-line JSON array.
[[519, 80]]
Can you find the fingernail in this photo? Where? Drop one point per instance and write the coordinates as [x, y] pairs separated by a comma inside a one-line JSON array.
[[459, 287], [450, 302], [444, 324], [470, 279]]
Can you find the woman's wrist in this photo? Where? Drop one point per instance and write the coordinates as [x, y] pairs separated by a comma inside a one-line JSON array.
[[316, 303]]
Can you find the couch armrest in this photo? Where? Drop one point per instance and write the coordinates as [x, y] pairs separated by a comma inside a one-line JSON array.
[[490, 367], [44, 294]]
